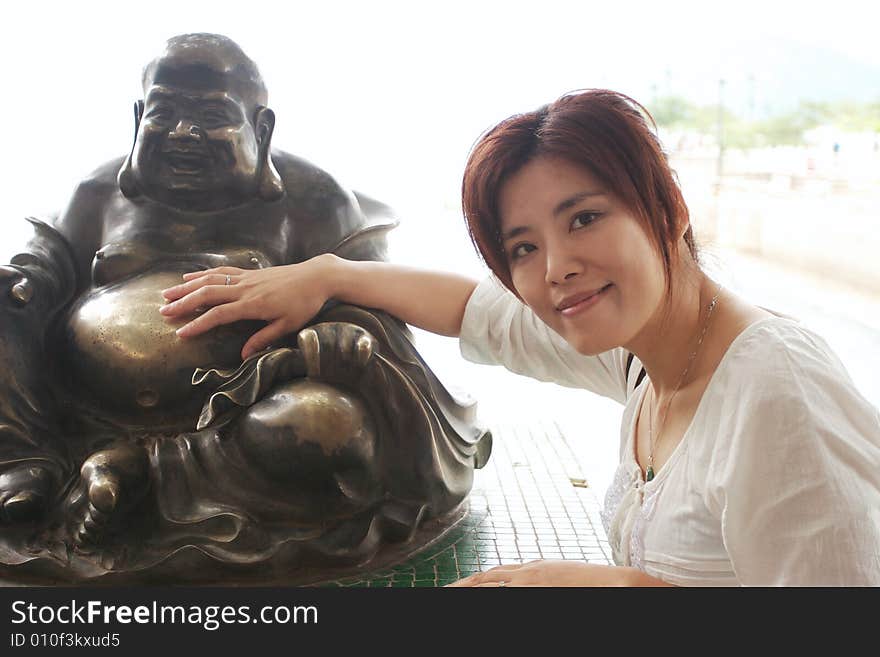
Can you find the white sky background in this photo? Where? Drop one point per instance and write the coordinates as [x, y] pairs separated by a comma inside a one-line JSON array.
[[388, 96]]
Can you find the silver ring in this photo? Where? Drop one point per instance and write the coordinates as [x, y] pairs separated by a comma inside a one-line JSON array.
[[501, 582], [228, 279]]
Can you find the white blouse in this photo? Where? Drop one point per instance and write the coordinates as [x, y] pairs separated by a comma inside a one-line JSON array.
[[775, 482]]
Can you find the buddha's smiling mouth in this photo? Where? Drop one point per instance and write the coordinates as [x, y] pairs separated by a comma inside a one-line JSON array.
[[187, 162]]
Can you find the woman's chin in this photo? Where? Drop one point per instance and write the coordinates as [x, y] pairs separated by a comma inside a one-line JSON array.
[[588, 345]]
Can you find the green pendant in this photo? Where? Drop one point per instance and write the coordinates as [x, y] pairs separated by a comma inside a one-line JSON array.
[[649, 474]]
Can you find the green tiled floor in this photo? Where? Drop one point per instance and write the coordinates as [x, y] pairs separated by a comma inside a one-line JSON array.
[[530, 502]]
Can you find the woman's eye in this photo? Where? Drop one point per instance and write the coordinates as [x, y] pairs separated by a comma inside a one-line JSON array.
[[521, 250], [584, 219]]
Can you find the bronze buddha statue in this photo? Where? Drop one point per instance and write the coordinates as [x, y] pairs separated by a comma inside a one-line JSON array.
[[127, 453]]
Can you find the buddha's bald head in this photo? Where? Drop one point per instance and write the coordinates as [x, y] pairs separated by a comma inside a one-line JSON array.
[[206, 62], [202, 130]]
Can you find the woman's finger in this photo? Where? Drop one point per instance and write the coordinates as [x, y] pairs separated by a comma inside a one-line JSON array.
[[178, 291], [203, 297], [479, 580], [264, 337], [471, 580], [216, 316], [235, 271], [494, 584], [504, 572]]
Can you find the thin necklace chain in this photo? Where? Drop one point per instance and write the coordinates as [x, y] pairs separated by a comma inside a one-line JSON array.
[[649, 471]]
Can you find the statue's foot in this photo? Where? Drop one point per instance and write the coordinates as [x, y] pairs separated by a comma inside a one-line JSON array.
[[112, 482], [319, 445], [24, 493]]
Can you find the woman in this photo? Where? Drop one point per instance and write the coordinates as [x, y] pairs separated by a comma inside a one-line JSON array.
[[747, 455]]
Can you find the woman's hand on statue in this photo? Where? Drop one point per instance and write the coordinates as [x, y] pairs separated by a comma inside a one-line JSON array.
[[286, 297], [554, 573]]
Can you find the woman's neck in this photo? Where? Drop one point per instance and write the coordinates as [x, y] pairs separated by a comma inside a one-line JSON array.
[[666, 342]]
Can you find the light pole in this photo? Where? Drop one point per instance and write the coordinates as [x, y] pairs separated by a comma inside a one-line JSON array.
[[719, 164], [720, 126]]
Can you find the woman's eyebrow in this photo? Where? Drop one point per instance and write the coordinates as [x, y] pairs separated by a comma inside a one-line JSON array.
[[571, 201], [568, 203], [513, 232]]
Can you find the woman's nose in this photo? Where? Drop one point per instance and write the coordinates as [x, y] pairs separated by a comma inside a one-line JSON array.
[[562, 265]]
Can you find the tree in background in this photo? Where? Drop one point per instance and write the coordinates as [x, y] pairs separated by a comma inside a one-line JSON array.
[[677, 113]]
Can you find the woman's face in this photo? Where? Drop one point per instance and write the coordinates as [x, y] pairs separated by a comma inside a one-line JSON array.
[[578, 257]]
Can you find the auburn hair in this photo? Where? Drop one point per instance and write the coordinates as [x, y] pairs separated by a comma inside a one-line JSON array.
[[609, 134]]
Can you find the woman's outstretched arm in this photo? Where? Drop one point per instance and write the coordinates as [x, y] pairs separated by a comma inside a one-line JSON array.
[[288, 296]]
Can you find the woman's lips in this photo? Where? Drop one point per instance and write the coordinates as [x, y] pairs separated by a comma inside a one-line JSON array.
[[586, 302]]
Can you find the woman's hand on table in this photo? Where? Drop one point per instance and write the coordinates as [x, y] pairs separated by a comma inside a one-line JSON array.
[[553, 573]]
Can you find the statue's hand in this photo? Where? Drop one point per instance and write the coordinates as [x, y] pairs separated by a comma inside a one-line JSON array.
[[16, 285], [336, 352]]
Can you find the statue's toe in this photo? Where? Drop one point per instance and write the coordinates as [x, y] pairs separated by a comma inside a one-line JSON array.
[[113, 481], [363, 350], [104, 492]]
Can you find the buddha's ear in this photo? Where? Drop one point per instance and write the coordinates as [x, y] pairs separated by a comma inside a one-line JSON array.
[[126, 178], [271, 186]]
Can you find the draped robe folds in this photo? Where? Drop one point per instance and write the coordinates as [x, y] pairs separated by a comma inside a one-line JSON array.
[[206, 512], [29, 432]]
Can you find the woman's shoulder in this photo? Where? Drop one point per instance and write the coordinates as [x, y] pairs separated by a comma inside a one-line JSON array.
[[780, 373], [783, 401], [777, 346], [776, 366]]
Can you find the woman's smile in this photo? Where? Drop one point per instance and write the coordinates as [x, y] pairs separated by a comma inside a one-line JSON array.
[[576, 304]]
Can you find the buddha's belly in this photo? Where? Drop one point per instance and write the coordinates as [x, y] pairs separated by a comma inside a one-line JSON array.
[[124, 357]]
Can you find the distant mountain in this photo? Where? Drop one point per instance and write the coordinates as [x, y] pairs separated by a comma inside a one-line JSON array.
[[769, 76]]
